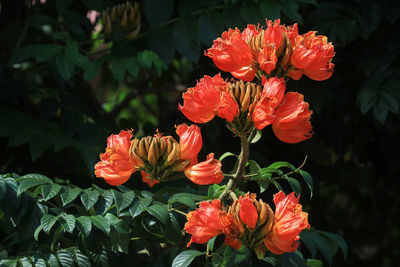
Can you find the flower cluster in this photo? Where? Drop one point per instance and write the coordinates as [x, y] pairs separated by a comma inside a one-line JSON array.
[[251, 222], [157, 157], [272, 55], [276, 50]]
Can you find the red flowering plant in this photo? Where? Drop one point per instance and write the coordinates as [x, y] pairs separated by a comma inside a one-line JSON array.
[[261, 60]]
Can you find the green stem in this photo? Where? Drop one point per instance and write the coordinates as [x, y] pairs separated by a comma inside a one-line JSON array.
[[178, 211], [243, 158]]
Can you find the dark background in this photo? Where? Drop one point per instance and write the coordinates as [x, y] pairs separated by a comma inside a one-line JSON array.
[[59, 102]]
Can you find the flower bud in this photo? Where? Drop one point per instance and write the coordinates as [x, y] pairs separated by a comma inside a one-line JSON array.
[[122, 21]]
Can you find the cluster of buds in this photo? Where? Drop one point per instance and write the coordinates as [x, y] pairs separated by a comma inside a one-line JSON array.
[[157, 157], [251, 222], [248, 222], [121, 21]]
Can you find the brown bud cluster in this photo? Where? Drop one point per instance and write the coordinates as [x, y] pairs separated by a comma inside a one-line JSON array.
[[122, 21], [248, 221], [158, 156], [246, 95]]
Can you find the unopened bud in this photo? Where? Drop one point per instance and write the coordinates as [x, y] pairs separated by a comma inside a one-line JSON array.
[[113, 13], [124, 20]]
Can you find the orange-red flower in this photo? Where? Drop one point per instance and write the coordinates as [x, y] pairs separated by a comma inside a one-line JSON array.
[[204, 223], [289, 221], [202, 102], [146, 178], [190, 140], [248, 212], [232, 54], [292, 123], [206, 172], [312, 55], [116, 166], [272, 95], [288, 114], [244, 53]]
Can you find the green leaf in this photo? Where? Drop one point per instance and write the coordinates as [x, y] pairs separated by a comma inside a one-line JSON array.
[[69, 194], [257, 137], [214, 191], [118, 68], [380, 111], [38, 261], [184, 258], [263, 184], [160, 212], [277, 185], [281, 164], [158, 11], [338, 240], [139, 205], [233, 257], [3, 189], [390, 101], [119, 235], [271, 9], [65, 66], [39, 52], [92, 69], [254, 167], [295, 185], [9, 263], [26, 184], [80, 259], [308, 179], [225, 155], [292, 259], [34, 176], [47, 222], [68, 222], [160, 40], [307, 240], [65, 258], [50, 190], [320, 242], [89, 198], [37, 232], [73, 54], [52, 260], [185, 199], [314, 263], [185, 34], [133, 67], [123, 200], [271, 260], [101, 223], [211, 242], [84, 224]]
